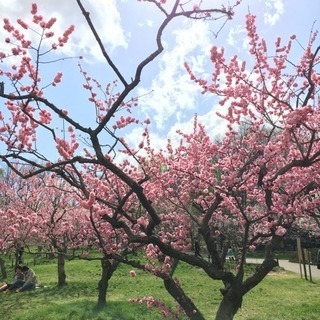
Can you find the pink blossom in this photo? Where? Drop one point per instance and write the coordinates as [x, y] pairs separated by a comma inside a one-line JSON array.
[[37, 19], [68, 31], [132, 273], [57, 78], [49, 34], [15, 51], [45, 116], [34, 9], [281, 231], [22, 24], [25, 44], [50, 23], [7, 25]]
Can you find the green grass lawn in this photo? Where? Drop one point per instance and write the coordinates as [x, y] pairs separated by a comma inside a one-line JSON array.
[[280, 296]]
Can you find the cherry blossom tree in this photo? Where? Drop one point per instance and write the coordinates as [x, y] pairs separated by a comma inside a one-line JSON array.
[[42, 210], [48, 206], [269, 177], [17, 221], [248, 188], [112, 202], [61, 221], [32, 112]]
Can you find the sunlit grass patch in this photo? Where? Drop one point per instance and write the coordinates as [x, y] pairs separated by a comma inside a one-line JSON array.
[[281, 296]]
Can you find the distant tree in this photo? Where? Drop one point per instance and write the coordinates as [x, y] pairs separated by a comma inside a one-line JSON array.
[[45, 213], [17, 221]]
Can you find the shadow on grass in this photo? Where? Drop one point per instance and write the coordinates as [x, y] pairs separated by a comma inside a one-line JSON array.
[[68, 303], [85, 310]]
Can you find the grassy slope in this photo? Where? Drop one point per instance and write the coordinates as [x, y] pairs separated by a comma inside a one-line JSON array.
[[280, 296]]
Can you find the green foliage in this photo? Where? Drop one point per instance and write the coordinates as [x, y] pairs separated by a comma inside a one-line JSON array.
[[280, 296]]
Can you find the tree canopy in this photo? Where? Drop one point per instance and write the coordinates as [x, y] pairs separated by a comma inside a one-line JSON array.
[[247, 188]]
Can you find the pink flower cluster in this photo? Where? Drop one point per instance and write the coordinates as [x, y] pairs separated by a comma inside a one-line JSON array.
[[133, 273], [57, 79], [66, 149], [166, 312], [64, 39], [123, 122]]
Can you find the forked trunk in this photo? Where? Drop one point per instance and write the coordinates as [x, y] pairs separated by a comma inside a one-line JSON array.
[[233, 295], [229, 305], [108, 269]]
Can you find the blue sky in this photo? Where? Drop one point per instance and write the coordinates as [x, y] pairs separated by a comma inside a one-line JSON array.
[[168, 97]]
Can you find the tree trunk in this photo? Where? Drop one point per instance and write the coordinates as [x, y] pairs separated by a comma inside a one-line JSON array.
[[230, 304], [184, 301], [233, 295], [108, 269], [61, 270], [3, 269]]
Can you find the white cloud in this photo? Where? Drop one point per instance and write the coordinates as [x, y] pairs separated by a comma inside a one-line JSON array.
[[237, 37], [215, 126], [148, 23], [103, 13], [172, 90], [171, 93], [274, 10]]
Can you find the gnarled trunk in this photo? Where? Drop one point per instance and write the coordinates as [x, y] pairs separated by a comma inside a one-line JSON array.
[[108, 269], [184, 301], [233, 293], [229, 305]]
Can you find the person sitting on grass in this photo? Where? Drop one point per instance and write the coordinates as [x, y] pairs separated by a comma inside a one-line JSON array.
[[29, 282], [30, 279], [18, 276]]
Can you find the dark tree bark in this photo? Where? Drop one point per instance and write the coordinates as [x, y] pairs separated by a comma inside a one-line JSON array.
[[184, 301], [3, 269], [230, 304], [108, 268], [234, 292], [61, 269]]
